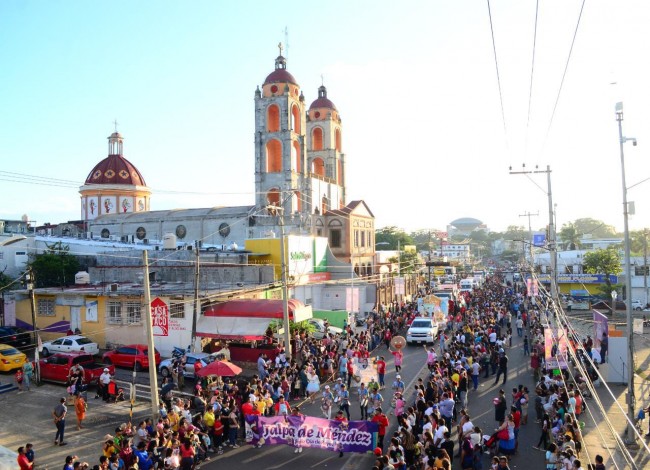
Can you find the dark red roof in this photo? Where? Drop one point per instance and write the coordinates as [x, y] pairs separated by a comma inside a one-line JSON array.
[[280, 76], [115, 169], [322, 103]]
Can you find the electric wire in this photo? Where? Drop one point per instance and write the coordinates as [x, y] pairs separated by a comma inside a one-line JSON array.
[[560, 314], [566, 68], [532, 71], [496, 64]]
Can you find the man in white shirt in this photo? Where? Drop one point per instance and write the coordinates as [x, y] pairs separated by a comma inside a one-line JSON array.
[[440, 432], [102, 384]]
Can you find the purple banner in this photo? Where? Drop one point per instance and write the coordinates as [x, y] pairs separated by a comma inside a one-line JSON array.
[[310, 432], [600, 326]]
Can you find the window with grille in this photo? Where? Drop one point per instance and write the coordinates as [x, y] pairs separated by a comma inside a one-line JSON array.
[[45, 307], [335, 238], [133, 312], [114, 312], [176, 310]]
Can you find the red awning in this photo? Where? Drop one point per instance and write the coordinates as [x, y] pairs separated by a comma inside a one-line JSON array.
[[246, 319], [257, 308]]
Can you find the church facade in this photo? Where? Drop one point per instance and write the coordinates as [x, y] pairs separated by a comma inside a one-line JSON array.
[[300, 181]]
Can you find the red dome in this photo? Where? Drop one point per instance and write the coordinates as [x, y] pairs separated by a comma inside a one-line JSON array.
[[280, 76], [115, 169], [322, 101]]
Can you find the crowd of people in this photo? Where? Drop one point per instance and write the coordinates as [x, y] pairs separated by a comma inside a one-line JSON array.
[[433, 420]]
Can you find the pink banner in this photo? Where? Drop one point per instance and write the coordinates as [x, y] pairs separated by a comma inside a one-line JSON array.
[[555, 349], [310, 432]]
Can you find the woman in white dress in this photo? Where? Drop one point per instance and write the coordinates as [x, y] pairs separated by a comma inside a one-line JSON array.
[[314, 384]]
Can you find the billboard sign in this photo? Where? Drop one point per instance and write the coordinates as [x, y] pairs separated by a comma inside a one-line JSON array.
[[159, 317]]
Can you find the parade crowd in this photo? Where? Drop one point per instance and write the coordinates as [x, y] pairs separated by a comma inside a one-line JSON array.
[[426, 427]]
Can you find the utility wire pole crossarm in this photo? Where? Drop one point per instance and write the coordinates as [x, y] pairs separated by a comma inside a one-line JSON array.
[[551, 224]]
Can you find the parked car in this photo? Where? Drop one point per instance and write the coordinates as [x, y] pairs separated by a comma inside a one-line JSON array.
[[133, 356], [637, 305], [319, 328], [56, 368], [165, 366], [14, 336], [11, 358], [70, 344], [422, 330]]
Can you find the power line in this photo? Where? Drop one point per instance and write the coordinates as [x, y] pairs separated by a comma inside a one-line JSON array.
[[496, 64]]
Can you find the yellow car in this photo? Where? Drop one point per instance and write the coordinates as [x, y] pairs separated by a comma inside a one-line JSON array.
[[11, 358]]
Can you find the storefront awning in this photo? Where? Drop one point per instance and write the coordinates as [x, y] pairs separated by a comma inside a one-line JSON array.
[[233, 328], [247, 319]]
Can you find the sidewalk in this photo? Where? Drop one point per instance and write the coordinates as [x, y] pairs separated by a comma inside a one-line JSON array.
[[597, 435]]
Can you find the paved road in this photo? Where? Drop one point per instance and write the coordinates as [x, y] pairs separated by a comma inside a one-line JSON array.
[[481, 411], [26, 418]]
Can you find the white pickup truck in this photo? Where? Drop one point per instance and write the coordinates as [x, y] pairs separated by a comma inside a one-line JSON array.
[[422, 330]]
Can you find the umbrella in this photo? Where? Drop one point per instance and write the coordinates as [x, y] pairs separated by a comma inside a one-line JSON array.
[[220, 368]]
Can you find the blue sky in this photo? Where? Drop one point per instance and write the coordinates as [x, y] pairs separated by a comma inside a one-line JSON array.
[[414, 81]]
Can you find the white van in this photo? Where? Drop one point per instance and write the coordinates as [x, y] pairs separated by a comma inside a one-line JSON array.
[[466, 285]]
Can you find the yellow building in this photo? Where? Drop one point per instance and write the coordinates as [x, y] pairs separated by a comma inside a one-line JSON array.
[[56, 311]]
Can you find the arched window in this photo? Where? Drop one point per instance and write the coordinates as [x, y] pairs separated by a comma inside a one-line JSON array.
[[339, 172], [317, 139], [337, 136], [296, 160], [295, 119], [273, 118], [273, 156], [318, 166]]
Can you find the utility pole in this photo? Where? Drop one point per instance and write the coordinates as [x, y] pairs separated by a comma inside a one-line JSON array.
[[151, 350], [285, 290], [31, 283], [645, 266], [551, 224], [430, 241], [631, 401], [530, 233], [197, 304]]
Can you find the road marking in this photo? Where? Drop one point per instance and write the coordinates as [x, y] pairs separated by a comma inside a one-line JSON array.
[[262, 454], [283, 464]]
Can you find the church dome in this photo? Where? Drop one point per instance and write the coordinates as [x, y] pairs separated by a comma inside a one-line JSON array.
[[115, 169], [280, 74], [322, 101]]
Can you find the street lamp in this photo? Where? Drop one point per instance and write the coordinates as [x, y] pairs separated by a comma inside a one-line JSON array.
[[614, 297], [629, 432]]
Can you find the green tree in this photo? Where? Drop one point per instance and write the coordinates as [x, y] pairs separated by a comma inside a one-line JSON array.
[[569, 236], [595, 228], [56, 267], [603, 261], [516, 232], [639, 241], [391, 235], [4, 280]]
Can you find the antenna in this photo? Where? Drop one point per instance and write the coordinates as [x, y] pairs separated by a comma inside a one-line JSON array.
[[286, 41]]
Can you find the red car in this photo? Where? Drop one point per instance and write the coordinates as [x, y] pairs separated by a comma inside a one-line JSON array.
[[133, 356]]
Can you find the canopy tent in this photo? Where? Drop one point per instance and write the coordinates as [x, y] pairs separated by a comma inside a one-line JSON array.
[[220, 368], [247, 319]]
